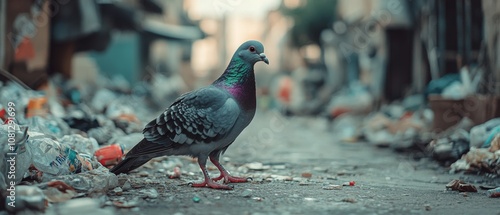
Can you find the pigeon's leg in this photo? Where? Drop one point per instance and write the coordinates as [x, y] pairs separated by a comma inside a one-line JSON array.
[[224, 174], [202, 161]]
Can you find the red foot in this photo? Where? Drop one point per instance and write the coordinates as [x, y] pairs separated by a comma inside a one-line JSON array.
[[231, 179], [212, 184]]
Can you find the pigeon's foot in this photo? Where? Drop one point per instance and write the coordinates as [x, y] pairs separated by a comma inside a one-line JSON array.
[[231, 179], [224, 174], [211, 184]]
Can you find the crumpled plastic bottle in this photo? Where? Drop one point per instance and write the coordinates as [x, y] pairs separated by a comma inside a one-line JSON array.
[[51, 157]]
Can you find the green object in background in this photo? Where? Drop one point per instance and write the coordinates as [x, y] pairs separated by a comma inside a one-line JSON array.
[[310, 20], [121, 58], [196, 199]]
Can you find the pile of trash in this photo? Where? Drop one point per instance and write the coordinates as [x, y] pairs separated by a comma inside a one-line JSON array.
[[451, 122], [57, 147]]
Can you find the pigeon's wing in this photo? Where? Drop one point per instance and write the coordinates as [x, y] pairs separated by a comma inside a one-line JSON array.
[[201, 116]]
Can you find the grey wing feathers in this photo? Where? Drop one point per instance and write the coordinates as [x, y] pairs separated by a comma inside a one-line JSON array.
[[205, 115]]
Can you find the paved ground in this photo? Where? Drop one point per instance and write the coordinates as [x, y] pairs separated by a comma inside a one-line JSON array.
[[385, 182]]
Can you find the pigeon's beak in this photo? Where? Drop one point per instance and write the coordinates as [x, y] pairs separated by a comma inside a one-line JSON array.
[[264, 58]]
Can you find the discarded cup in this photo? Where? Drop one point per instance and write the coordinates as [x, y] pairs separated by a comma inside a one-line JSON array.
[[109, 155]]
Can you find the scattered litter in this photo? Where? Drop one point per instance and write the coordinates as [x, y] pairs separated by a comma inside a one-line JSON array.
[[28, 197], [126, 186], [126, 204], [349, 183], [427, 207], [196, 199], [349, 200], [259, 199], [480, 134], [460, 186], [478, 160], [306, 174], [332, 187], [280, 178], [53, 194], [493, 193], [247, 193], [309, 199], [118, 191], [81, 206], [150, 193], [176, 173], [256, 166], [109, 155]]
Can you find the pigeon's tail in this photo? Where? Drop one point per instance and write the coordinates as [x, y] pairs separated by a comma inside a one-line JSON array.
[[128, 164], [139, 155]]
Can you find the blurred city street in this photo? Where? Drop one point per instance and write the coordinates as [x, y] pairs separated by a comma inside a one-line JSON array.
[[323, 106], [280, 164]]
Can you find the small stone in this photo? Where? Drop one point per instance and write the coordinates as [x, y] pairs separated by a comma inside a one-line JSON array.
[[306, 174], [196, 199], [259, 199], [427, 207], [349, 200], [127, 186], [303, 183], [282, 177], [320, 169], [118, 191], [279, 167], [464, 194], [217, 197], [247, 193], [143, 174], [332, 187], [257, 166], [151, 193]]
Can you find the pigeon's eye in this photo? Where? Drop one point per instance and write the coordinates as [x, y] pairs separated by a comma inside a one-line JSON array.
[[252, 49]]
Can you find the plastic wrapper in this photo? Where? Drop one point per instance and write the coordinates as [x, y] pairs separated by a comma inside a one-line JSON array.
[[80, 144], [98, 180], [101, 99], [50, 157], [13, 92], [22, 154], [493, 193], [48, 125], [479, 134]]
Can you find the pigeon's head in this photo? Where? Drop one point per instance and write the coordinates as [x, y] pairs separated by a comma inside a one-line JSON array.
[[252, 52]]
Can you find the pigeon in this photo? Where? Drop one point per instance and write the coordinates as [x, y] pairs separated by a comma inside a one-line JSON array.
[[203, 123]]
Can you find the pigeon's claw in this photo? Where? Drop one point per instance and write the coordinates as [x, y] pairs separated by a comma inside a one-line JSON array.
[[211, 184], [231, 179]]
